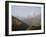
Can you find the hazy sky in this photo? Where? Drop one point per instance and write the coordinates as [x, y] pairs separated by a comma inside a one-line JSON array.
[[23, 11]]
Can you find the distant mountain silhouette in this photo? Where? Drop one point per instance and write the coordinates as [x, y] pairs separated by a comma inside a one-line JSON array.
[[19, 23]]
